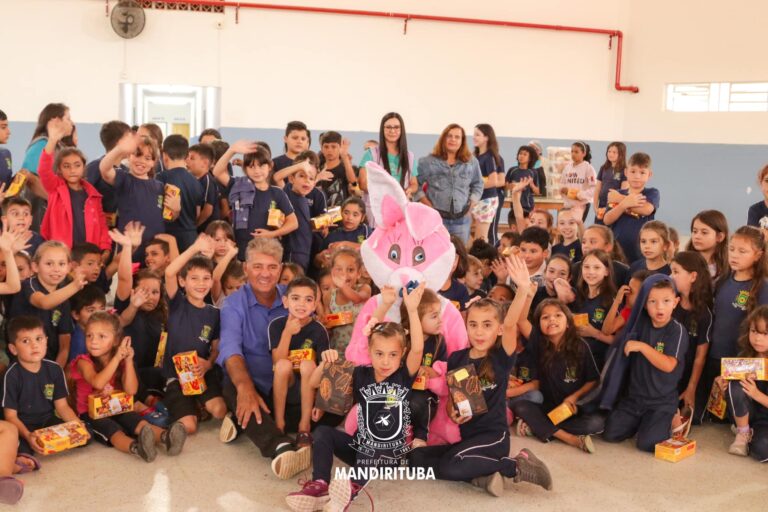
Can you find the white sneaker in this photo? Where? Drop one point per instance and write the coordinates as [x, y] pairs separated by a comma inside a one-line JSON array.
[[228, 431], [740, 445]]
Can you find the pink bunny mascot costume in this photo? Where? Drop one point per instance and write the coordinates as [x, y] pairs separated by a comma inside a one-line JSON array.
[[408, 244]]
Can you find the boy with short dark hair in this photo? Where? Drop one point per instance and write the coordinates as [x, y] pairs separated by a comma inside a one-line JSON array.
[[487, 254], [6, 161], [17, 212], [82, 305], [534, 250], [90, 258], [654, 349], [337, 174], [192, 325], [298, 243], [298, 330], [184, 227], [629, 209], [209, 135], [35, 389], [296, 140], [110, 134], [200, 160], [160, 252]]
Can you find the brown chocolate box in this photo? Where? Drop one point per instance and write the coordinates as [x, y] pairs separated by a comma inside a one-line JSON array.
[[467, 395], [335, 392]]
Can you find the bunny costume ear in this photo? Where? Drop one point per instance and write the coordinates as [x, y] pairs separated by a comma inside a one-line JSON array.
[[387, 197]]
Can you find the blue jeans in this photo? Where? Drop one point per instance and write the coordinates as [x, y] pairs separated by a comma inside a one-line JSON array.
[[458, 227]]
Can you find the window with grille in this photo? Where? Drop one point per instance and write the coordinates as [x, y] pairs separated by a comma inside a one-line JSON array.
[[718, 97]]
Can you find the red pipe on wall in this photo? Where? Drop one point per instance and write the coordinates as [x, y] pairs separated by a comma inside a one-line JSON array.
[[428, 17]]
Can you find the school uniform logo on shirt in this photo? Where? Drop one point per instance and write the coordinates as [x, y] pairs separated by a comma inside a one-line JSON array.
[[383, 421], [360, 239], [599, 315], [48, 391], [660, 347], [524, 373], [427, 361], [159, 201], [55, 317], [741, 300], [272, 205], [307, 344], [570, 374], [205, 334]]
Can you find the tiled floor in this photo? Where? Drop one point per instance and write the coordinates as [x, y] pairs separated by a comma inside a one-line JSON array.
[[209, 476]]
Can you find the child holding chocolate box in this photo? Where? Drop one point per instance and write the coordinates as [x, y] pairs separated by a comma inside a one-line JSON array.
[[108, 367], [565, 371], [748, 398], [652, 348], [351, 233], [347, 295], [193, 325], [595, 293], [579, 179], [482, 455], [35, 390], [296, 332], [387, 344]]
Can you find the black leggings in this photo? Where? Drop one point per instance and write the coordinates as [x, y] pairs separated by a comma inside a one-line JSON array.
[[481, 455], [423, 406], [542, 427]]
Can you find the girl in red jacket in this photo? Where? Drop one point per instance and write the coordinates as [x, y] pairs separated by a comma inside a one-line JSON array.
[[75, 214]]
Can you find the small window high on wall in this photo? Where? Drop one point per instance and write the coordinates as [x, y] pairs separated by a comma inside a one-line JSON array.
[[183, 109], [718, 97]]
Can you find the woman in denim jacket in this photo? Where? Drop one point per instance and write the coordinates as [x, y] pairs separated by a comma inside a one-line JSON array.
[[454, 181]]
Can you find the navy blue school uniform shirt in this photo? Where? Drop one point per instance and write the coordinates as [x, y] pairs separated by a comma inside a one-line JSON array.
[[557, 378], [596, 311], [434, 350], [34, 242], [273, 197], [610, 179], [457, 293], [6, 167], [77, 201], [641, 265], [488, 167], [189, 328], [757, 212], [184, 228], [626, 229], [356, 236], [31, 394], [495, 420], [212, 196], [315, 199], [699, 329], [145, 331], [281, 162], [313, 335], [572, 251], [56, 321], [107, 191], [516, 174], [647, 383], [730, 310], [299, 241], [139, 200], [525, 365]]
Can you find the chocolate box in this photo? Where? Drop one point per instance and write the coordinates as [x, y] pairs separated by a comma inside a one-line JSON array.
[[560, 413], [161, 349], [420, 382], [335, 392], [61, 437], [117, 403], [465, 390], [674, 450], [716, 403], [185, 363], [337, 319], [331, 216], [16, 185], [739, 368], [302, 354], [174, 191], [275, 218]]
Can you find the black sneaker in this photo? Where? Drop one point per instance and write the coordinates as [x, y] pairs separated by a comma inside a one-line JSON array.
[[175, 438], [145, 444], [532, 470]]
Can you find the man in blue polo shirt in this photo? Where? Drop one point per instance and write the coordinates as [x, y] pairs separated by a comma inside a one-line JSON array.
[[244, 353]]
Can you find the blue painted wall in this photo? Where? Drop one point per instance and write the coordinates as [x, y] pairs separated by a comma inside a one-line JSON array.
[[691, 177]]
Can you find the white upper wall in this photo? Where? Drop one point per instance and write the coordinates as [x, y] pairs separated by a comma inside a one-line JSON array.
[[344, 72]]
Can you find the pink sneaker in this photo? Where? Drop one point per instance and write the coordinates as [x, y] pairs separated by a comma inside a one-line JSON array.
[[312, 496], [342, 493]]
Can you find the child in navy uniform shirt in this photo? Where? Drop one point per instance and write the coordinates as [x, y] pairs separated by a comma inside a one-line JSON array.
[[296, 140], [83, 304], [296, 331], [183, 227], [351, 233], [89, 257], [6, 167], [192, 325], [199, 163], [251, 196], [569, 226], [300, 183], [595, 294], [35, 390], [653, 349], [17, 214], [655, 243], [628, 210], [758, 212]]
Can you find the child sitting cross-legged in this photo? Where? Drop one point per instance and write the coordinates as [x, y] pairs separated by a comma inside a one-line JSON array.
[[108, 366], [296, 331]]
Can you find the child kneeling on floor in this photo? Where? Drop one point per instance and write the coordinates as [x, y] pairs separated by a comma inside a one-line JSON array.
[[108, 366], [654, 349], [386, 345]]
